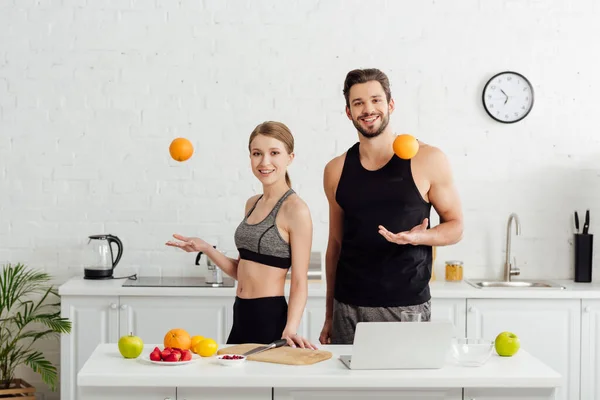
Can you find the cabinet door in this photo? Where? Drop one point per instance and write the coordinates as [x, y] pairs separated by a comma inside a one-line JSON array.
[[224, 393], [94, 320], [453, 310], [152, 317], [548, 329], [512, 394], [127, 393], [590, 349], [313, 320], [371, 394]]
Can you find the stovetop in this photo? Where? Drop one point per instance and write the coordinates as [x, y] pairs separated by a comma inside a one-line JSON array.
[[175, 281]]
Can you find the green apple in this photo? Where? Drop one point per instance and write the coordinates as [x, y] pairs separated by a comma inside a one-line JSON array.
[[507, 344], [131, 346]]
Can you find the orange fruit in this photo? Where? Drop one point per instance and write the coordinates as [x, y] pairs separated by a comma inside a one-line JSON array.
[[181, 149], [406, 146], [195, 340], [206, 347], [178, 339]]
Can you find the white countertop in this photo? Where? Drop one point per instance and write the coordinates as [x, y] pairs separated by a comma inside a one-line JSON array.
[[439, 289], [107, 368]]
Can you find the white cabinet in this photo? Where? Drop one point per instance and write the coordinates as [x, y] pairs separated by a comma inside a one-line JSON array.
[[125, 393], [590, 349], [94, 320], [313, 320], [509, 393], [224, 394], [152, 317], [452, 310], [361, 394], [549, 329]]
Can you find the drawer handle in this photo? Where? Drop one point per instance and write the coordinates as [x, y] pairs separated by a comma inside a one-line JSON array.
[[587, 309], [124, 306], [113, 306]]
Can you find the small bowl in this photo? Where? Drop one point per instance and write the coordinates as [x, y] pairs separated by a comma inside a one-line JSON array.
[[225, 359], [472, 352]]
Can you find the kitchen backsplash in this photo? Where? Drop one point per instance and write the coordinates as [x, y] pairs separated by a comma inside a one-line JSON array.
[[93, 92]]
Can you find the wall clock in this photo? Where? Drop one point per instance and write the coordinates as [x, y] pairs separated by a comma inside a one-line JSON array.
[[508, 97]]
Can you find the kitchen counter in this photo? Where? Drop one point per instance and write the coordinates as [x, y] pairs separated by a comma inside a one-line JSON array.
[[439, 289], [107, 369]]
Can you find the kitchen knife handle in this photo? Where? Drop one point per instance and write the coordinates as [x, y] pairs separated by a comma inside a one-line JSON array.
[[586, 224], [278, 343]]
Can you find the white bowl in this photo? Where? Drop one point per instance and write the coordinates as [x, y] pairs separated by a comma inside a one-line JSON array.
[[224, 359], [472, 352]]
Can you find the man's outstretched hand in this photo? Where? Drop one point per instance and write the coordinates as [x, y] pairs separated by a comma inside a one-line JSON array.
[[414, 236]]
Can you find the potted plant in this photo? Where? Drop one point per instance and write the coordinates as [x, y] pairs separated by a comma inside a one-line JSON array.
[[29, 311]]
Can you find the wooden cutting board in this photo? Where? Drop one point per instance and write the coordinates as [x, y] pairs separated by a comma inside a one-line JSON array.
[[281, 355]]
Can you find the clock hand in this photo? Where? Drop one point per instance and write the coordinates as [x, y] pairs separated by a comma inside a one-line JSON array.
[[505, 95]]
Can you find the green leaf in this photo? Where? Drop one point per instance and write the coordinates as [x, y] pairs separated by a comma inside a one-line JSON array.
[[29, 312]]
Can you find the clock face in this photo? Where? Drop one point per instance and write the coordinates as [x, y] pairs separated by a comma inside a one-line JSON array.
[[508, 97]]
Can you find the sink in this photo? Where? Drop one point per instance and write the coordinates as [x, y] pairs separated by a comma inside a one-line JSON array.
[[523, 284]]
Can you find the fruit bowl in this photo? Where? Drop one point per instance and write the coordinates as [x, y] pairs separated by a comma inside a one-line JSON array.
[[231, 360], [472, 352]]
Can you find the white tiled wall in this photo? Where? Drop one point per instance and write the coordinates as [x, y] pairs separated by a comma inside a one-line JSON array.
[[93, 91]]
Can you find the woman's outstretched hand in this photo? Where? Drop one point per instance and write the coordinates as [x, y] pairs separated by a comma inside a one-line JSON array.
[[188, 244], [295, 340]]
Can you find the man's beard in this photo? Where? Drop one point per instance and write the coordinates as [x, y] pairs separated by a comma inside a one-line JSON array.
[[385, 120]]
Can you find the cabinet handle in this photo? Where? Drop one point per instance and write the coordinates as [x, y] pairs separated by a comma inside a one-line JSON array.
[[113, 306], [587, 309], [124, 306], [472, 310]]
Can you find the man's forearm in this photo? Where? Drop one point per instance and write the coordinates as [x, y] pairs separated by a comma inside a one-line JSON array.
[[444, 234]]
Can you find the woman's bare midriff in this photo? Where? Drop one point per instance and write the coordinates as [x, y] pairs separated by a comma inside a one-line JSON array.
[[258, 280]]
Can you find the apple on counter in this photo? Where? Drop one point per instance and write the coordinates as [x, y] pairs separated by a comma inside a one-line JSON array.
[[131, 346], [507, 344]]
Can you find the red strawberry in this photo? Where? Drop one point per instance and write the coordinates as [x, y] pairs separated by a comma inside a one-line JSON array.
[[155, 355], [165, 353], [173, 357], [186, 355]]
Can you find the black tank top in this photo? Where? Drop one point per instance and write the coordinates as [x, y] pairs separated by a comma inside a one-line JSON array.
[[371, 271]]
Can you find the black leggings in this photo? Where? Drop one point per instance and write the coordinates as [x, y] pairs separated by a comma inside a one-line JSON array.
[[260, 320]]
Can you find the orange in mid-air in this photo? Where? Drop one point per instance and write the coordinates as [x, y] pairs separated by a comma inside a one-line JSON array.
[[406, 146], [181, 149]]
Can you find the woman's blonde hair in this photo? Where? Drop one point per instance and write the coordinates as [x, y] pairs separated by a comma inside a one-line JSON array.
[[275, 130]]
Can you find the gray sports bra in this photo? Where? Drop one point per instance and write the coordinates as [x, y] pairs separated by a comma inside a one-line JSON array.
[[262, 242]]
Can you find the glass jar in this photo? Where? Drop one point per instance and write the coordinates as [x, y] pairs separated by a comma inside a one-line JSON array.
[[454, 271]]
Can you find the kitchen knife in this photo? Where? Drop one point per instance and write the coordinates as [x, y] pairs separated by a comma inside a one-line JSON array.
[[260, 349], [586, 224], [576, 222]]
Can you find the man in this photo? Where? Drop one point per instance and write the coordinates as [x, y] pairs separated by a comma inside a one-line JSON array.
[[378, 260]]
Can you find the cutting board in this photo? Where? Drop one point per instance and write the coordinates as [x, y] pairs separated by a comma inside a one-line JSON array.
[[281, 355]]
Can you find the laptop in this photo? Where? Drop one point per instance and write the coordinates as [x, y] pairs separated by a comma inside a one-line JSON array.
[[400, 345]]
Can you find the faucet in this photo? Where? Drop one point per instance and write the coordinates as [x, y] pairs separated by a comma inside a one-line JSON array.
[[509, 269]]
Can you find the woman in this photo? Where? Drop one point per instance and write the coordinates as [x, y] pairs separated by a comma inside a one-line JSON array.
[[275, 234]]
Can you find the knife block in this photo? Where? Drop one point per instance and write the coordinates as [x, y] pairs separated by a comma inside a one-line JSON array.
[[584, 245]]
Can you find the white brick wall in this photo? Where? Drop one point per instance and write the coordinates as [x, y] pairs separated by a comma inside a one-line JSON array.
[[93, 91]]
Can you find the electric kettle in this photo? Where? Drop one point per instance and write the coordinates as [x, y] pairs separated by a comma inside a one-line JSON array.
[[100, 259]]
